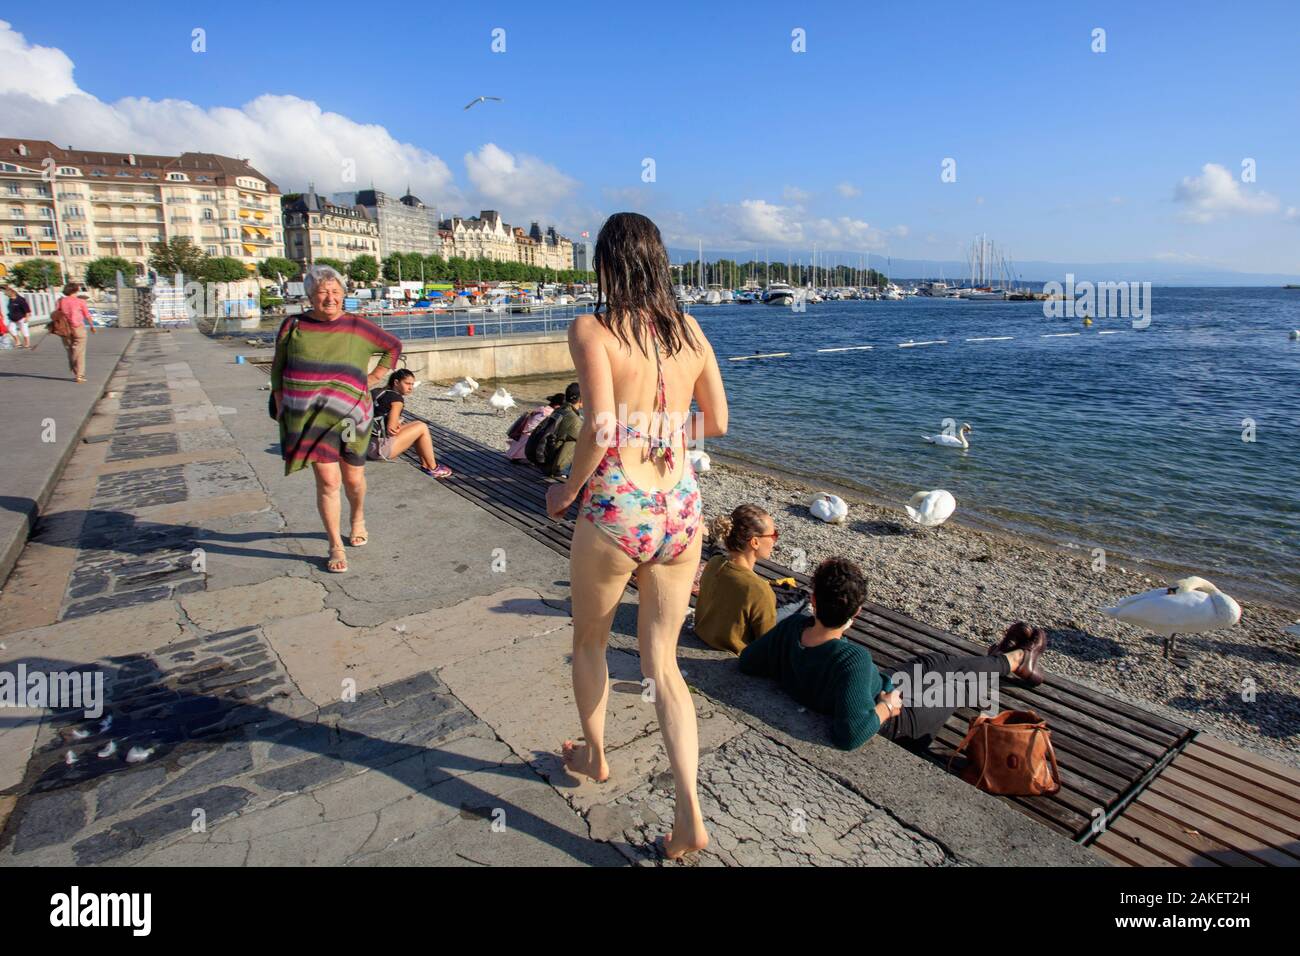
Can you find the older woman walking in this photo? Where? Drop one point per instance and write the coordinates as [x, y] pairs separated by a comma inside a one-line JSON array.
[[639, 359], [321, 386]]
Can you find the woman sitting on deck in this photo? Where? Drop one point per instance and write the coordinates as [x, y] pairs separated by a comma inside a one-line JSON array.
[[735, 606], [824, 672], [390, 436]]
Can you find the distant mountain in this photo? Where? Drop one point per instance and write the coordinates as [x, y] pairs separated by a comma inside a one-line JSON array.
[[1157, 272]]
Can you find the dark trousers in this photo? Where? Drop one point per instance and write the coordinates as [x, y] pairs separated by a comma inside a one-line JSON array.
[[919, 721]]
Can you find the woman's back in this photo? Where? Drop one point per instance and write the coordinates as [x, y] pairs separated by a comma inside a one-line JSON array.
[[629, 397]]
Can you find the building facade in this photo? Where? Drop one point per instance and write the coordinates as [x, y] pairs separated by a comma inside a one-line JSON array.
[[315, 227], [405, 225], [584, 257], [75, 205]]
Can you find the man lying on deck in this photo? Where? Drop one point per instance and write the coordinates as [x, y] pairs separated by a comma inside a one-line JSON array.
[[824, 672]]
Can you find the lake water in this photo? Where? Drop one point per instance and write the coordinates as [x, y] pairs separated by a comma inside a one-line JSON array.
[[1131, 441]]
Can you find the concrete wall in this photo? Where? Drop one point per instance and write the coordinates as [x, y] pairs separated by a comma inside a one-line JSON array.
[[508, 356]]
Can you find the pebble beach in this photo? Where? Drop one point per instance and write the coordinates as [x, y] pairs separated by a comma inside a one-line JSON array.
[[974, 582]]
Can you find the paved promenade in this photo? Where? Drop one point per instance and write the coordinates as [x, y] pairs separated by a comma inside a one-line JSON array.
[[408, 712]]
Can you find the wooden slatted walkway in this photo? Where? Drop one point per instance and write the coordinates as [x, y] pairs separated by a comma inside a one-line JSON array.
[[1143, 775]]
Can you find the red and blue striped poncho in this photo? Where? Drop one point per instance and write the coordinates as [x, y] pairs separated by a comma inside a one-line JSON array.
[[319, 379]]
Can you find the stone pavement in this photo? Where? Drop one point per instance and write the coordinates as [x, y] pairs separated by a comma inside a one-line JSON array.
[[48, 426], [262, 711]]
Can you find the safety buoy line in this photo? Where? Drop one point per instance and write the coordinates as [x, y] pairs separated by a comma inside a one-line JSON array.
[[993, 338]]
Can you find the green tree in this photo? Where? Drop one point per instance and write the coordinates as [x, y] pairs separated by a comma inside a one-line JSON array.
[[275, 266], [37, 274], [177, 255], [363, 269], [102, 273], [223, 269]]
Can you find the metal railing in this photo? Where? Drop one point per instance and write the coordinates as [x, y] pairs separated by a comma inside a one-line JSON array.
[[453, 323]]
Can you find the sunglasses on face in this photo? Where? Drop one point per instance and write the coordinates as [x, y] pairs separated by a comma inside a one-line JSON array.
[[774, 535]]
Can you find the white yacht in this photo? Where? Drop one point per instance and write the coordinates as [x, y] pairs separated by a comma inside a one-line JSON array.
[[779, 293]]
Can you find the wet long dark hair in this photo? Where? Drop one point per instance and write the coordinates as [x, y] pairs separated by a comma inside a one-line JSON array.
[[634, 286]]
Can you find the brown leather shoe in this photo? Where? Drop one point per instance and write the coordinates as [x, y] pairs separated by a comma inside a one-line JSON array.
[[1018, 635], [1033, 641]]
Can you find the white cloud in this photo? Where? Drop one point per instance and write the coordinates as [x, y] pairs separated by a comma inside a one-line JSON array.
[[795, 195], [517, 185], [1292, 214], [848, 190], [1216, 194], [757, 222], [291, 140]]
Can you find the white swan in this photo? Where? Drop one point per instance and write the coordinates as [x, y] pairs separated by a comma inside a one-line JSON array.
[[1190, 606], [459, 390], [930, 509], [470, 382], [501, 400], [830, 508], [699, 460], [949, 441]]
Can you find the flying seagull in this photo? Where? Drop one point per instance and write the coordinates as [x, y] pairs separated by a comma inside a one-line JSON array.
[[480, 99]]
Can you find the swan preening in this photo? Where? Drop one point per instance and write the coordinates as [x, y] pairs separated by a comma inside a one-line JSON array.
[[950, 441], [830, 508], [1190, 606], [501, 400], [462, 389], [930, 509], [699, 460]]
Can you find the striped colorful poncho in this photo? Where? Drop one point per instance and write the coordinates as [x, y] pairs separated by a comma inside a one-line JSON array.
[[319, 379]]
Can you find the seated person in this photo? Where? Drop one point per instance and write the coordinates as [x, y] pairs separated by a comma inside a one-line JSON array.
[[824, 672], [735, 606], [516, 452], [562, 443], [390, 436]]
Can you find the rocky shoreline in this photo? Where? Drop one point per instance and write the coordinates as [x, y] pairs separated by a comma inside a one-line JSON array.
[[974, 583]]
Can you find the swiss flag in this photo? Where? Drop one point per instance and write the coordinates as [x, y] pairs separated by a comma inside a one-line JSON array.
[[586, 235]]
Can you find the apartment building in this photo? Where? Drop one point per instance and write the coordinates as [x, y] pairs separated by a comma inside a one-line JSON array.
[[77, 205], [405, 224], [315, 227]]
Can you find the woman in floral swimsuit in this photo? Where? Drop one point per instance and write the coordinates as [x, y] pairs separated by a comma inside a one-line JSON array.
[[640, 361]]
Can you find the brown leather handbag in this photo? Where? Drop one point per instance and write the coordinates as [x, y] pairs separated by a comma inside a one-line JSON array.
[[1010, 754]]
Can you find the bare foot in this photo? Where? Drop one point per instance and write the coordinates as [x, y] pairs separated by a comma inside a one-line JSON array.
[[579, 759], [693, 839]]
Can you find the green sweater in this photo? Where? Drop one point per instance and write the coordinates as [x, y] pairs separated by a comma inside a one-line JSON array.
[[837, 678]]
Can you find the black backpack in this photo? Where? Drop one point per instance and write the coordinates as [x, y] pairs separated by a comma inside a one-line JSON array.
[[537, 448]]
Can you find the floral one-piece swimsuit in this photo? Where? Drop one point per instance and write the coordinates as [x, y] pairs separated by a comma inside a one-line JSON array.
[[648, 525]]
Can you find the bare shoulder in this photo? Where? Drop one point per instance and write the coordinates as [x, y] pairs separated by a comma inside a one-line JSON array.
[[584, 325]]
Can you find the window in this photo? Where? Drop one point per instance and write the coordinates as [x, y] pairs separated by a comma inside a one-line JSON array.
[[79, 251], [98, 172], [207, 215], [15, 212], [20, 231], [177, 177], [204, 179], [69, 171], [48, 231], [8, 167], [211, 250], [47, 212], [123, 174], [14, 189]]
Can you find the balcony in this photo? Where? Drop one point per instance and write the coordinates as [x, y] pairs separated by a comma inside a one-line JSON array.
[[182, 218]]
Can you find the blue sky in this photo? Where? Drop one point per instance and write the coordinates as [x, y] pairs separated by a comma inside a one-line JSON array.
[[1061, 153]]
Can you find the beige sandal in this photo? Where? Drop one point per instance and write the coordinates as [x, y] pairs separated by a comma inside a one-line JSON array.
[[337, 565], [358, 539]]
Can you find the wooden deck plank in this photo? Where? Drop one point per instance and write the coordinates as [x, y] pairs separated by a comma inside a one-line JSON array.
[[1272, 767], [1248, 772], [1159, 834], [1228, 799], [1125, 852], [1224, 833], [1243, 789]]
